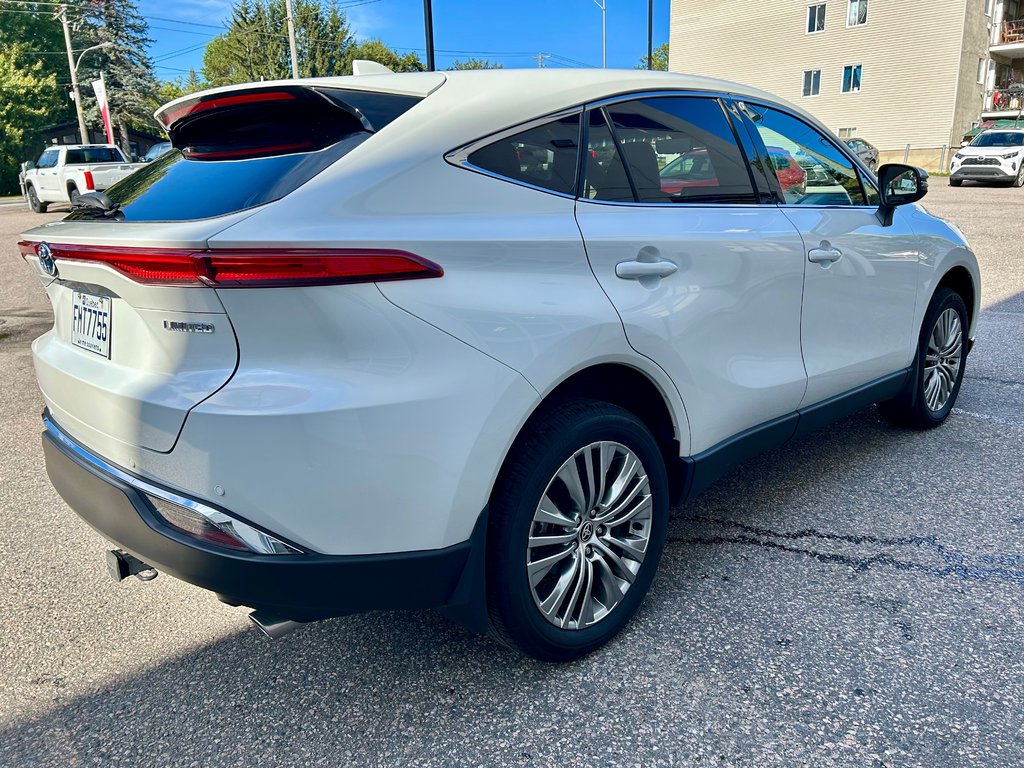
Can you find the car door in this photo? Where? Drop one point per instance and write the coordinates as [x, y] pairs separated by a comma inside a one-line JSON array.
[[706, 280], [859, 285], [47, 174]]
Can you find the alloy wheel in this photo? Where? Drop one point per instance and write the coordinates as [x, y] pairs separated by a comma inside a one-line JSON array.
[[589, 535], [942, 360]]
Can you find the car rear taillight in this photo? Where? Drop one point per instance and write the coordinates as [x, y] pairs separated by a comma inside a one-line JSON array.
[[250, 268], [88, 180]]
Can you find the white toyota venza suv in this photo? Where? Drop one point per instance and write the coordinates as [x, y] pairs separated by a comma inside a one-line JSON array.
[[456, 340]]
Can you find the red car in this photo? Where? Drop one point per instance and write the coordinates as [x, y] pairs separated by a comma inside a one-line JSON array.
[[694, 169]]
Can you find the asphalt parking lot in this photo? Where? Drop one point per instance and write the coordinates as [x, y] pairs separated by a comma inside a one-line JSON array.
[[852, 600]]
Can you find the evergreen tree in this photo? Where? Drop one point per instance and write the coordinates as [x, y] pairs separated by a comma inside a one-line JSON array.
[[256, 44], [132, 89]]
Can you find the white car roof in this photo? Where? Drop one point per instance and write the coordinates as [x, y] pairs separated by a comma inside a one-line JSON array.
[[526, 93]]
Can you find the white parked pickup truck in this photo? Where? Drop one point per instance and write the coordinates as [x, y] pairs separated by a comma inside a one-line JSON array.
[[63, 173]]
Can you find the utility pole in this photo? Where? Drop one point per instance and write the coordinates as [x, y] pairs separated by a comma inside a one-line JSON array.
[[291, 39], [650, 34], [540, 59], [428, 26], [603, 5], [62, 14]]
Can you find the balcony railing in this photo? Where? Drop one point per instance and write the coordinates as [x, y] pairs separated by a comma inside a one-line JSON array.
[[1005, 99], [1011, 32]]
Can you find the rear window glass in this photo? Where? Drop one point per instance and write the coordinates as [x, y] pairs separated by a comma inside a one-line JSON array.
[[173, 188], [234, 151], [90, 155], [545, 156]]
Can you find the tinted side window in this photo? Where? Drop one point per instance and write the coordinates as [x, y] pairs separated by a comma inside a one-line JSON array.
[[545, 156], [48, 159], [681, 149], [820, 174], [604, 176]]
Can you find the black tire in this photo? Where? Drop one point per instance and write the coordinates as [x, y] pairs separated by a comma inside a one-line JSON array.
[[73, 194], [910, 408], [33, 200], [955, 182], [1018, 180], [550, 441]]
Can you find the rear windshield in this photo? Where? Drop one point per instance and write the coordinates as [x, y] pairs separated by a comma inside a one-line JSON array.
[[173, 188], [90, 155], [233, 151]]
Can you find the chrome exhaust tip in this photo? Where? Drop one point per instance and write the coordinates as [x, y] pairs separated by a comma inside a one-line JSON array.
[[273, 627]]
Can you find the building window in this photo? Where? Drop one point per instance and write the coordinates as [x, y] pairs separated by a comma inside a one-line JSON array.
[[812, 82], [982, 70], [988, 7], [816, 18], [851, 78], [847, 133], [857, 13]]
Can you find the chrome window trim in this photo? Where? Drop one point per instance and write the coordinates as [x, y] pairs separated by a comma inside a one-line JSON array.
[[261, 543], [459, 157]]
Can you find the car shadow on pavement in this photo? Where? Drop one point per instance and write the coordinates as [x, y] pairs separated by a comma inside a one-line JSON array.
[[768, 552]]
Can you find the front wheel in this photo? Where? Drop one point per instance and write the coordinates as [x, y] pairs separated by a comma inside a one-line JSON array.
[[1018, 180], [931, 393], [578, 520], [34, 202]]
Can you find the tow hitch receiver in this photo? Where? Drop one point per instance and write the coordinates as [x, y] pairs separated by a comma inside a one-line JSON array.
[[121, 565]]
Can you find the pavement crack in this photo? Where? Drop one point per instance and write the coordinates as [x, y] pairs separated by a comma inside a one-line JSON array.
[[947, 562]]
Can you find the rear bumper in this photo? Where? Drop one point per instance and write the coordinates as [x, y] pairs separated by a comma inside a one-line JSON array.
[[301, 587]]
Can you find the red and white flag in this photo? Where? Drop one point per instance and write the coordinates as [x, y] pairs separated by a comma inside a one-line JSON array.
[[100, 88]]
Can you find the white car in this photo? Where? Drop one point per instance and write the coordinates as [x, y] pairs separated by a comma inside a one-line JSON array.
[[61, 174], [993, 155], [443, 340]]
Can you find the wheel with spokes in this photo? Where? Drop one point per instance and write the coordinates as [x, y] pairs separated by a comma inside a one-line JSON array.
[[1018, 180], [939, 370], [577, 525]]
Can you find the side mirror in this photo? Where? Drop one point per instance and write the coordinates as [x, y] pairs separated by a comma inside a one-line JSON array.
[[964, 143], [900, 184], [30, 165]]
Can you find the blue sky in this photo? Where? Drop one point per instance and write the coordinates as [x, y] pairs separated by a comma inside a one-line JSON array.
[[507, 31]]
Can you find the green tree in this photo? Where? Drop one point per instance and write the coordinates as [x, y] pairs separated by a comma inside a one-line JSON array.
[[475, 64], [27, 95], [375, 50], [180, 86], [659, 59], [256, 43], [132, 88]]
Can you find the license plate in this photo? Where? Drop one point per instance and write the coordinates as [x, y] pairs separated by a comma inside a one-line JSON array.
[[91, 322]]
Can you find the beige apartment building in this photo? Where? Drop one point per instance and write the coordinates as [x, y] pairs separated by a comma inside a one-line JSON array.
[[896, 73]]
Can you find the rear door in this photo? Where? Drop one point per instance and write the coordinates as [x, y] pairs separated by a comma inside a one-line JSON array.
[[706, 279], [859, 289]]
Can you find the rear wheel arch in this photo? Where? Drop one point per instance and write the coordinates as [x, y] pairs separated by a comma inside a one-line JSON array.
[[631, 389]]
